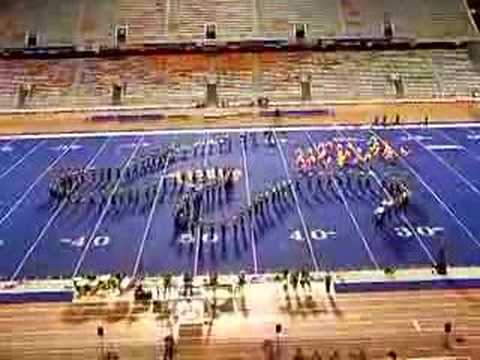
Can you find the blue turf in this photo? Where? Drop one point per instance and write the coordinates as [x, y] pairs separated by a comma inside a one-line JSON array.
[[445, 184]]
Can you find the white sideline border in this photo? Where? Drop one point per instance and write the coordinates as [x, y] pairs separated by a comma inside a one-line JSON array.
[[333, 127]]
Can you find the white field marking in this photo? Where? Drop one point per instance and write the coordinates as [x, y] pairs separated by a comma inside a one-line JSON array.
[[150, 218], [350, 214], [407, 221], [132, 145], [404, 218], [469, 152], [105, 210], [22, 159], [449, 167], [33, 184], [237, 130], [444, 147], [347, 138], [450, 211], [306, 231], [7, 146], [62, 147], [52, 218], [416, 137], [197, 236], [246, 175], [471, 132], [474, 137], [416, 325]]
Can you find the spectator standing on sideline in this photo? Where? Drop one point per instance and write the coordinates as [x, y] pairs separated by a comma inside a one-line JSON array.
[[392, 355], [169, 347], [299, 355], [328, 282]]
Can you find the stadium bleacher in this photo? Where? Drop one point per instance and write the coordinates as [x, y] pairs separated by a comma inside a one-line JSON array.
[[146, 19], [241, 78], [425, 19], [87, 22]]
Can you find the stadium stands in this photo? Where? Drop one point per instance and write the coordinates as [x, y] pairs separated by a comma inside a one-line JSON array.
[[277, 16], [458, 76], [179, 81], [92, 23], [52, 21], [425, 19], [233, 18], [146, 19]]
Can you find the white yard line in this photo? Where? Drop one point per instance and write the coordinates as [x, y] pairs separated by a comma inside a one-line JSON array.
[[407, 221], [197, 240], [150, 218], [446, 164], [404, 218], [52, 218], [249, 203], [22, 159], [436, 197], [237, 130], [465, 148], [8, 143], [27, 192], [352, 217], [297, 203], [105, 208]]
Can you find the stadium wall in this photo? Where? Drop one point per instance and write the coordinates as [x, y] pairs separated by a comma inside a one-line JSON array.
[[37, 296], [439, 284]]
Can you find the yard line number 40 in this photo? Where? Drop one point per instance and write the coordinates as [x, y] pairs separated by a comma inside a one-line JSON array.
[[81, 241], [315, 234]]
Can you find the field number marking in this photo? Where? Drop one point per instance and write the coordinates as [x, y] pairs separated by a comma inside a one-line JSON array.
[[315, 234], [424, 231], [98, 242], [187, 238]]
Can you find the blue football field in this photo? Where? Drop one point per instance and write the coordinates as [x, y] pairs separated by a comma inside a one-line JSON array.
[[316, 228]]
